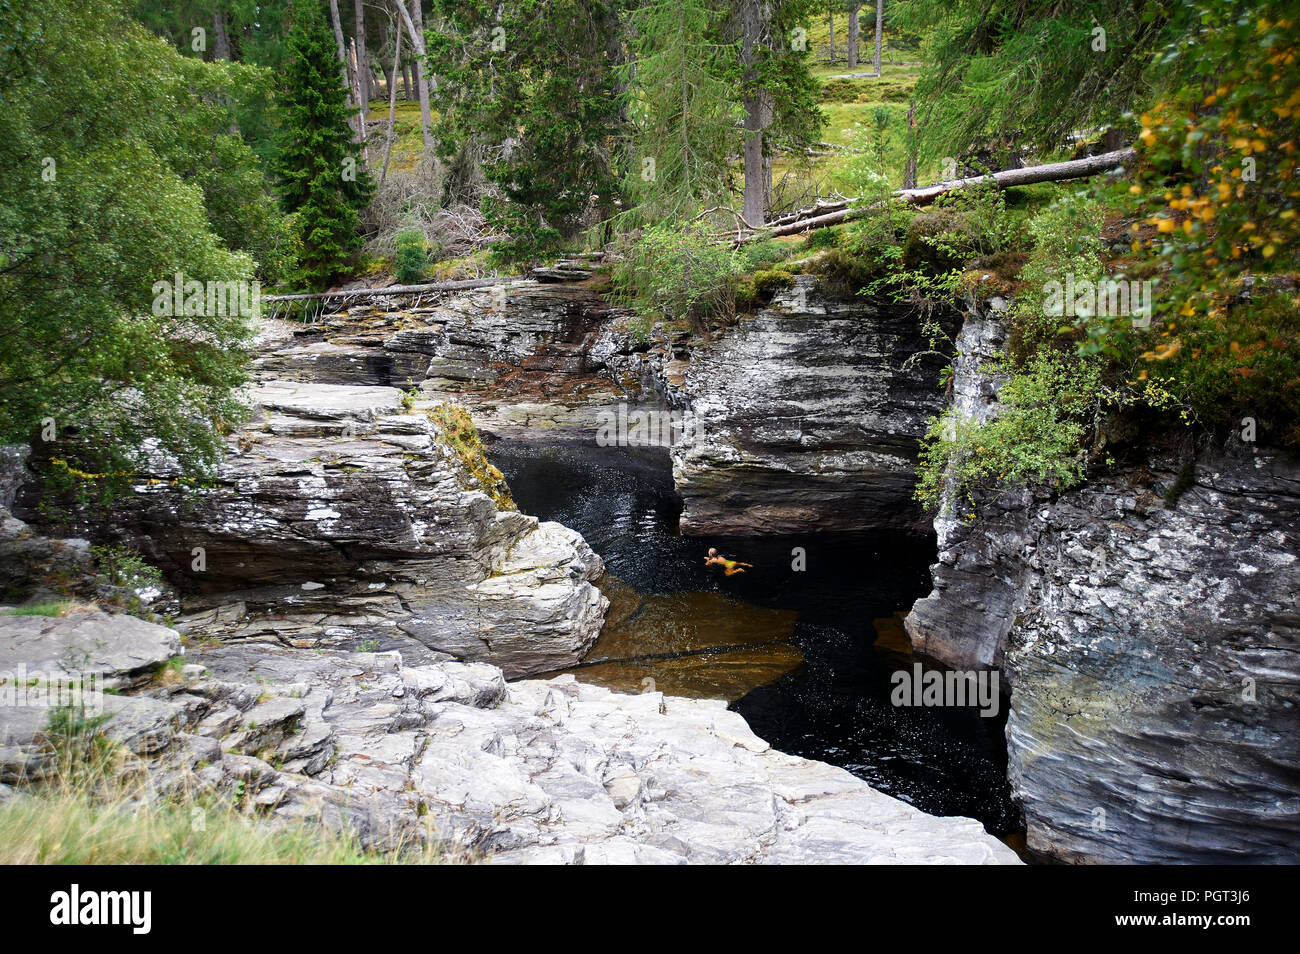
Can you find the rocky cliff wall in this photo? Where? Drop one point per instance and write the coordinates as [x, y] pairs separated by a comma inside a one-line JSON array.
[[807, 418], [343, 513], [1153, 650]]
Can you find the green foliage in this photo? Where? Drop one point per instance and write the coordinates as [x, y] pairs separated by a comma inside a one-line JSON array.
[[679, 274], [1047, 408], [1218, 209], [463, 437], [685, 118], [322, 181], [976, 224], [777, 72], [1066, 241], [102, 133], [753, 255], [872, 243], [83, 754], [1011, 73], [769, 280], [124, 566], [59, 608], [886, 90], [822, 238], [534, 82], [412, 259]]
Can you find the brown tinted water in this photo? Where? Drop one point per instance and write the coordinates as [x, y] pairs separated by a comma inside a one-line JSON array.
[[699, 644]]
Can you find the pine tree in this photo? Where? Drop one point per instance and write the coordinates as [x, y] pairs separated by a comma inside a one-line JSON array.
[[687, 123], [323, 183], [534, 82], [1006, 74]]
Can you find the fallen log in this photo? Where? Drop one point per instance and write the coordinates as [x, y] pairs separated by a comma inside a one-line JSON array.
[[1048, 172], [392, 290]]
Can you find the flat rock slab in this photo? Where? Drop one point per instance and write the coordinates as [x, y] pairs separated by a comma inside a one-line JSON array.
[[333, 401], [557, 771], [122, 649]]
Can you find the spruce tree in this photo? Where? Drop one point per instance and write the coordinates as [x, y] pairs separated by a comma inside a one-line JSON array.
[[534, 82], [1006, 74], [323, 182], [687, 124]]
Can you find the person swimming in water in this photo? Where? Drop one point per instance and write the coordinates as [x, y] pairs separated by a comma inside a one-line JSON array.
[[729, 566]]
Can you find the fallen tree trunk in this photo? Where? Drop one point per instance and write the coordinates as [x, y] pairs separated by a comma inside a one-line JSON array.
[[1048, 172], [392, 290]]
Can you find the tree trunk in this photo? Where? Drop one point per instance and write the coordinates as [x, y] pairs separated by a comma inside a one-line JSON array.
[[853, 35], [392, 105], [363, 58], [343, 60], [909, 171], [220, 36], [383, 74], [753, 25], [880, 22], [356, 93], [416, 29], [830, 17], [1049, 172], [406, 82]]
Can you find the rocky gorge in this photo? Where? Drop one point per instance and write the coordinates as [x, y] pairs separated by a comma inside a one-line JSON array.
[[534, 771], [1149, 650], [355, 587]]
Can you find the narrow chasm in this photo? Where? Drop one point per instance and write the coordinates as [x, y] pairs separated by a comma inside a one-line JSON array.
[[804, 645]]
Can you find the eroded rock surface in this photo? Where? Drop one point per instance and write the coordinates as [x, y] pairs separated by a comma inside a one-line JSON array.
[[535, 771], [1153, 649], [344, 514], [1155, 665], [808, 418]]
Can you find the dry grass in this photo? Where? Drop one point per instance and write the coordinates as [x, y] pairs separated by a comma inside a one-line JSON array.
[[98, 808]]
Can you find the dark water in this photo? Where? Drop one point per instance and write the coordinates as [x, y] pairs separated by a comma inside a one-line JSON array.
[[805, 656]]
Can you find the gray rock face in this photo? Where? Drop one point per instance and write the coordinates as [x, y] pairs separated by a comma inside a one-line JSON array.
[[805, 418], [28, 560], [122, 649], [808, 419], [1153, 653], [1155, 660], [529, 360], [978, 581], [532, 772], [48, 662], [342, 514]]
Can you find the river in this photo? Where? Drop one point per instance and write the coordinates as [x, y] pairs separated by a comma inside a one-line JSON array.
[[803, 645]]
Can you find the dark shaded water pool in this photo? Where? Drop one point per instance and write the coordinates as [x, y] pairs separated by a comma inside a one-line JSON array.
[[805, 655]]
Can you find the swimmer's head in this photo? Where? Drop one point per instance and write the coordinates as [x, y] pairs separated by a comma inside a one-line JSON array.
[[713, 551]]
